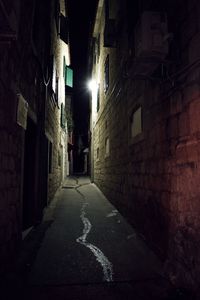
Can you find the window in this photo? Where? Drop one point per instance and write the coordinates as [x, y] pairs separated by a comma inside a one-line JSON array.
[[56, 91], [98, 98], [94, 58], [136, 122], [64, 29], [56, 14], [98, 153], [64, 65], [96, 49], [106, 74], [107, 147], [53, 69], [59, 158], [98, 46], [63, 116], [111, 8]]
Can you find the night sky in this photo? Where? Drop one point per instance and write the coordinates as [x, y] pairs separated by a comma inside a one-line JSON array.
[[81, 17]]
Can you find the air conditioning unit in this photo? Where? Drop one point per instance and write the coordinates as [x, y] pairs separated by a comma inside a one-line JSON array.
[[150, 35]]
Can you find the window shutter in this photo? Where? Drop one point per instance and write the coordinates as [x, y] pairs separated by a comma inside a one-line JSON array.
[[68, 77]]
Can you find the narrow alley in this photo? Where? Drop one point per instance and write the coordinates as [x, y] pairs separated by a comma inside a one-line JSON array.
[[100, 149], [89, 250]]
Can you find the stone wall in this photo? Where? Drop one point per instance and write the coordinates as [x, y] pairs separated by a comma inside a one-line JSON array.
[[153, 178], [16, 76], [25, 185], [56, 135], [10, 172]]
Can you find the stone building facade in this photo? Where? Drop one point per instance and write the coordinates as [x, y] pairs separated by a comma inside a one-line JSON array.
[[145, 128], [34, 50]]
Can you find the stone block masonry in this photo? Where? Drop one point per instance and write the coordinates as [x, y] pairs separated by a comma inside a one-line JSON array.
[[27, 184], [10, 166], [154, 177]]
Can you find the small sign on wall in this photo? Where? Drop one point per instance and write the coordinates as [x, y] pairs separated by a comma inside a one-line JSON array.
[[22, 111]]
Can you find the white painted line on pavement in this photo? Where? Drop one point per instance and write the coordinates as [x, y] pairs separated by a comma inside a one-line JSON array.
[[101, 258], [112, 214]]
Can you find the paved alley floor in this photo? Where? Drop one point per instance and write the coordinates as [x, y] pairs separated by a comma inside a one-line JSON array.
[[89, 251]]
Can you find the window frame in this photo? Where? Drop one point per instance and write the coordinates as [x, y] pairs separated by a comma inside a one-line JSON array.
[[140, 134], [107, 147], [106, 74], [98, 98]]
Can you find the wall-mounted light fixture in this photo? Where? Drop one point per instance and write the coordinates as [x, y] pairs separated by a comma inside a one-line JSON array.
[[93, 87]]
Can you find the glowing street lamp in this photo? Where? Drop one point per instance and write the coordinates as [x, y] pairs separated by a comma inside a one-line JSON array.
[[92, 85]]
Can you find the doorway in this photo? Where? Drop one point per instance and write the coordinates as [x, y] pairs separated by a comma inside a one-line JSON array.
[[28, 208]]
